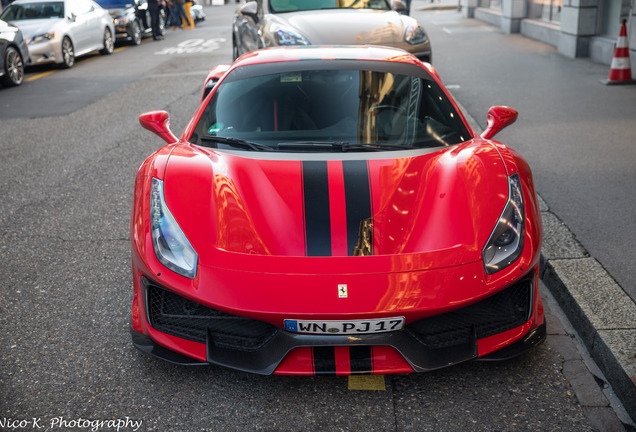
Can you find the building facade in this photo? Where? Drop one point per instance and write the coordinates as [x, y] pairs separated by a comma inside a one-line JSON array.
[[577, 28]]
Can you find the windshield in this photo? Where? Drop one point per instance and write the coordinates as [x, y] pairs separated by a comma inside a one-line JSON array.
[[26, 11], [114, 3], [329, 106], [301, 5]]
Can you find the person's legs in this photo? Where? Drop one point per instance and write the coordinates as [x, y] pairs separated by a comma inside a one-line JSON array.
[[181, 14], [174, 16], [153, 8]]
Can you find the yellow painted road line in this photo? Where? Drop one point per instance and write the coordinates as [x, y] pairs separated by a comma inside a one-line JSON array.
[[83, 60], [40, 75], [367, 382]]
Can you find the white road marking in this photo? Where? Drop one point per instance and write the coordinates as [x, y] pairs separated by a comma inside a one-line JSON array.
[[193, 46]]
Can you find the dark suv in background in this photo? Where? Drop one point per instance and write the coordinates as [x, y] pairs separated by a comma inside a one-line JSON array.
[[132, 19]]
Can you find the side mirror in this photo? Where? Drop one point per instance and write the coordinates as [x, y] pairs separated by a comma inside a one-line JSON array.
[[398, 5], [498, 118], [250, 8], [158, 122], [72, 17]]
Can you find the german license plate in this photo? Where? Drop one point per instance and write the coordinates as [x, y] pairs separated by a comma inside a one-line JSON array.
[[345, 327]]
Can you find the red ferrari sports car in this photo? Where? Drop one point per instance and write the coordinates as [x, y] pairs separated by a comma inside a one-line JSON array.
[[328, 210]]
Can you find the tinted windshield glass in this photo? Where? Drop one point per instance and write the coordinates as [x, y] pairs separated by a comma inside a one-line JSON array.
[[322, 108], [298, 5], [114, 3], [26, 11]]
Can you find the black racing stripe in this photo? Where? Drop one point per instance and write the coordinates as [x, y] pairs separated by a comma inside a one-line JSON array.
[[317, 214], [361, 360], [358, 203], [324, 360]]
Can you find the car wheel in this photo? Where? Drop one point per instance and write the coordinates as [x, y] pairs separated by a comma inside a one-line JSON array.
[[135, 34], [14, 68], [109, 42], [68, 53]]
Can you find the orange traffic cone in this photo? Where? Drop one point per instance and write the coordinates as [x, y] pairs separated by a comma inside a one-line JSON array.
[[620, 70]]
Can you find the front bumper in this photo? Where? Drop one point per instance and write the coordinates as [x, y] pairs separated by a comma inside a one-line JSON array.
[[145, 344], [46, 52], [496, 328], [123, 32]]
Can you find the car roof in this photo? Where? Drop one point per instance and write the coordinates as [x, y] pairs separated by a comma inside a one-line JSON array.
[[37, 1], [332, 52]]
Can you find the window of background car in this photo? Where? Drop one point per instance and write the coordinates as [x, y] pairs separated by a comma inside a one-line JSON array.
[[298, 5], [326, 105], [115, 3], [24, 11]]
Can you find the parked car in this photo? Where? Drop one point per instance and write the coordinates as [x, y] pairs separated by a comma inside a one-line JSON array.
[[132, 19], [58, 31], [259, 24], [196, 12], [329, 210], [13, 53]]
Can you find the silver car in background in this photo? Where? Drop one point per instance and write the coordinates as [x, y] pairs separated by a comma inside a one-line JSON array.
[[264, 23], [58, 31]]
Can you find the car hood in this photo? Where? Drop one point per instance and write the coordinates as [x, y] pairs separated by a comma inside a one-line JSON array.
[[438, 206], [5, 26], [34, 27], [347, 26], [118, 11], [7, 31]]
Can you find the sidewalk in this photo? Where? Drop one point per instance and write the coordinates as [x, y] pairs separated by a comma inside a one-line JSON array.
[[433, 5], [565, 113]]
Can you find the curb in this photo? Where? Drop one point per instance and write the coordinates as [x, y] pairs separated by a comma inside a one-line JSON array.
[[599, 310], [438, 8], [603, 315]]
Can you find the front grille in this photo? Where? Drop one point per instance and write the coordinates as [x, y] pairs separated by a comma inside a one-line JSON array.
[[177, 316], [503, 311]]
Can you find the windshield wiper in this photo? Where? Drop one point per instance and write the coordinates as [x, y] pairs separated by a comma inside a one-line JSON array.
[[343, 146], [235, 142], [312, 145]]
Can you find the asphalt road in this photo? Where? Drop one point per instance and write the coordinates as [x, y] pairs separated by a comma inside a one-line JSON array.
[[70, 147]]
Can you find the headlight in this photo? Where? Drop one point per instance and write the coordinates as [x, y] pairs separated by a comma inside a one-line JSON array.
[[120, 21], [41, 38], [415, 34], [506, 241], [286, 37], [172, 248]]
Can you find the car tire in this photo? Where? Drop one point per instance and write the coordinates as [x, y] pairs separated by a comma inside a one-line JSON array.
[[68, 53], [135, 34], [109, 43], [13, 67]]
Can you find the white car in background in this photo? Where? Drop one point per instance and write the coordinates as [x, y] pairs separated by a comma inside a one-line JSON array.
[[196, 12], [58, 31]]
